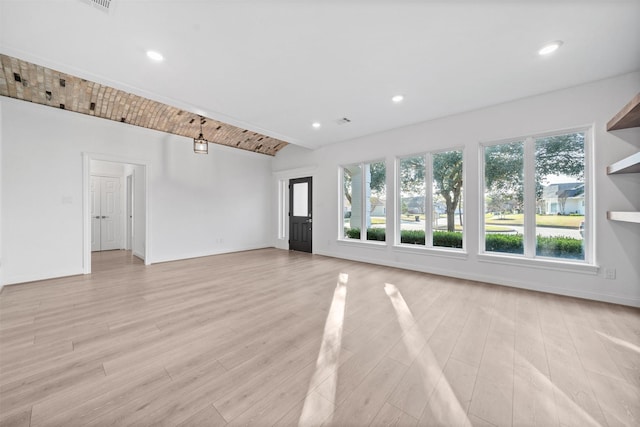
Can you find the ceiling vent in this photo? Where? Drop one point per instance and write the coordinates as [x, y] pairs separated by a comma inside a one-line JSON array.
[[343, 121], [99, 4]]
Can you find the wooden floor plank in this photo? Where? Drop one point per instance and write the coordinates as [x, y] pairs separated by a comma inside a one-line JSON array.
[[286, 396], [205, 417], [390, 416], [95, 399], [365, 402], [16, 419]]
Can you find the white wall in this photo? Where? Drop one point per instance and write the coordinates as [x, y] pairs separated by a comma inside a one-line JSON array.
[[1, 260], [139, 227], [198, 205], [617, 244]]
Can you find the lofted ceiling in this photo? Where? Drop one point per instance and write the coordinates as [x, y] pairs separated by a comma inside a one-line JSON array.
[[273, 67]]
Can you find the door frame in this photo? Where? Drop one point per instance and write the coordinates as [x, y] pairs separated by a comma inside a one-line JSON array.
[[129, 204], [281, 203], [292, 183], [86, 203]]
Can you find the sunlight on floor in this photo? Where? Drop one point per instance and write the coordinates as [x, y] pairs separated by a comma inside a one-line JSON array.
[[620, 342], [562, 402], [443, 403], [316, 408], [567, 408]]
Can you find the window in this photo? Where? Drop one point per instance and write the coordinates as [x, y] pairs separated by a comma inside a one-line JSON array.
[[412, 200], [364, 201], [447, 198], [534, 197], [431, 216], [504, 197]]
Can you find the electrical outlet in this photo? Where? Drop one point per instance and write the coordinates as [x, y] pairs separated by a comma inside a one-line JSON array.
[[609, 273]]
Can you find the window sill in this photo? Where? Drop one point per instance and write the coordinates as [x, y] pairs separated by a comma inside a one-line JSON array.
[[549, 264], [423, 250], [372, 244]]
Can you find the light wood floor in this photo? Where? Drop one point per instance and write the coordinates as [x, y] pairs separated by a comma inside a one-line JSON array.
[[267, 338]]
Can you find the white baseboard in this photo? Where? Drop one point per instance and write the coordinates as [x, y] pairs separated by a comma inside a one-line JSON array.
[[210, 253], [532, 286], [15, 280]]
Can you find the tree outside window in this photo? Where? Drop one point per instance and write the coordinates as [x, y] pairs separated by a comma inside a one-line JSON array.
[[503, 196], [447, 183], [431, 218], [364, 201], [550, 223]]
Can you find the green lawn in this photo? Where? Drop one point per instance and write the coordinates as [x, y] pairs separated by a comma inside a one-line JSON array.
[[489, 228], [541, 220], [502, 223], [496, 228], [412, 217], [444, 228]]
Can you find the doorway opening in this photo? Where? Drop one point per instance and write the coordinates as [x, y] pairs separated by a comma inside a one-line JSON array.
[[115, 213]]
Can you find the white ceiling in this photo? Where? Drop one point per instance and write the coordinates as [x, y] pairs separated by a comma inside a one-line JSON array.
[[276, 66]]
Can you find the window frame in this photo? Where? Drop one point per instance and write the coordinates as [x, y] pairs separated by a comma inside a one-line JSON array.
[[363, 235], [529, 257], [428, 177]]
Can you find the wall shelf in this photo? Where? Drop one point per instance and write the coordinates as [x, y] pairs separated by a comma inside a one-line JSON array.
[[628, 117], [623, 216], [630, 164]]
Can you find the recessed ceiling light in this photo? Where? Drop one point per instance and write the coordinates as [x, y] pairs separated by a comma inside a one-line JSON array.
[[397, 98], [316, 125], [156, 56], [550, 47]]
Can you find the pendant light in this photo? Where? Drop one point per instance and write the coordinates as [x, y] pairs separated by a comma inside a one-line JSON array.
[[201, 145]]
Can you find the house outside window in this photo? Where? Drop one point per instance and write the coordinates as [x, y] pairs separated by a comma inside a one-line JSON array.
[[563, 199]]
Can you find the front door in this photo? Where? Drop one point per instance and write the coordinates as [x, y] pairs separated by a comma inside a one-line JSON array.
[[300, 218], [105, 213]]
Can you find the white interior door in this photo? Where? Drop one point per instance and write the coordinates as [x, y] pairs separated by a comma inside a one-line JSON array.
[[110, 213], [105, 213], [129, 213]]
